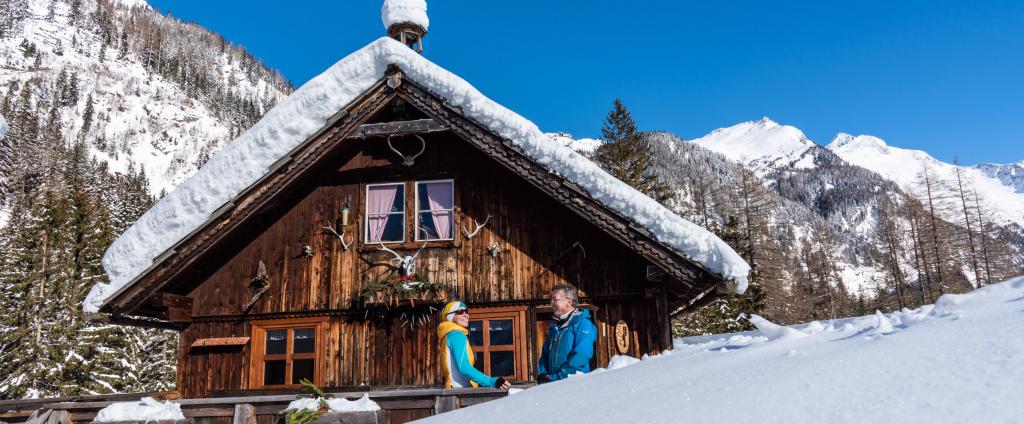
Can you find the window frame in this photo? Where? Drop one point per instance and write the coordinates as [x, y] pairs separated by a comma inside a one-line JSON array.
[[417, 211], [366, 212], [519, 338], [259, 346]]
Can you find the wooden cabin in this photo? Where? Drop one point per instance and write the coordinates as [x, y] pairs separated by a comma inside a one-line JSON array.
[[301, 274]]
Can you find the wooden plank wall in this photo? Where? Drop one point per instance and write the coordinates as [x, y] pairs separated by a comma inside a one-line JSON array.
[[534, 232]]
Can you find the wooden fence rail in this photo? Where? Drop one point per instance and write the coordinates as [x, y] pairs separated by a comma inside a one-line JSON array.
[[397, 406]]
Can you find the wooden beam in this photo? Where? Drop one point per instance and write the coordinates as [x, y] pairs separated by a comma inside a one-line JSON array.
[[245, 413], [419, 126], [220, 341], [131, 322]]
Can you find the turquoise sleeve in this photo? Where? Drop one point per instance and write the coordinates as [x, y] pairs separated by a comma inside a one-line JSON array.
[[457, 346]]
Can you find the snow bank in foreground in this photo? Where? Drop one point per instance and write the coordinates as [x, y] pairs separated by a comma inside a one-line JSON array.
[[958, 361], [145, 410], [337, 405], [405, 11], [245, 160]]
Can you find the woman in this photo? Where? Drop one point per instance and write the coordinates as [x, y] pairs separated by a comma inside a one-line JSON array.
[[457, 355]]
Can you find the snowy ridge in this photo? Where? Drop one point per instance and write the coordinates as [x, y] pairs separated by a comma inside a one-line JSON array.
[[762, 145], [584, 146], [405, 11], [903, 166], [1011, 175], [955, 361], [245, 160]]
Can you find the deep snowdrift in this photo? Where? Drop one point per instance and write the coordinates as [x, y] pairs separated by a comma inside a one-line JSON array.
[[961, 360]]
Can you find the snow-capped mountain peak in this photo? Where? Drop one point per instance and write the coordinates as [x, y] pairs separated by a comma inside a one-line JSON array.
[[762, 144], [997, 185]]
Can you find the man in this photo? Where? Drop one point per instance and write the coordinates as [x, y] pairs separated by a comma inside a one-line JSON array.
[[569, 344], [457, 355]]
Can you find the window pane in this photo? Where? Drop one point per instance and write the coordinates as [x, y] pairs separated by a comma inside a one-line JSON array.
[[386, 228], [277, 342], [501, 332], [386, 198], [435, 225], [476, 333], [273, 373], [434, 196], [478, 363], [302, 368], [305, 340], [503, 364]]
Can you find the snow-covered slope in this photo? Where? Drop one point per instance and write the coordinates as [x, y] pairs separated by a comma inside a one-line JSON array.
[[1011, 175], [905, 166], [958, 361], [3, 127], [762, 145], [120, 54], [584, 146]]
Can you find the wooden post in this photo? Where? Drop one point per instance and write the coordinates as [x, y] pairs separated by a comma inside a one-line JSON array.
[[245, 413], [445, 403]]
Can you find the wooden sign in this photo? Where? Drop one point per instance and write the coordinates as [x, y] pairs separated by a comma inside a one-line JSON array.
[[622, 336], [220, 341]]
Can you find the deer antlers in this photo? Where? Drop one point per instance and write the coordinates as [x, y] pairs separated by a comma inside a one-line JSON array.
[[406, 264], [329, 229], [471, 234], [408, 160]]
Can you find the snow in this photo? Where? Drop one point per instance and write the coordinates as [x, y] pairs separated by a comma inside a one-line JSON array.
[[3, 127], [903, 166], [405, 11], [337, 405], [762, 145], [147, 409], [957, 361], [245, 160], [584, 146]]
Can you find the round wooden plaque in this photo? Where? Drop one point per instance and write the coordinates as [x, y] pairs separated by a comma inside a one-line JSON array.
[[622, 336]]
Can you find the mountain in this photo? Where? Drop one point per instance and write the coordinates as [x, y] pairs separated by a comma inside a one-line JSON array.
[[996, 186], [107, 105], [1011, 175], [144, 90], [762, 145]]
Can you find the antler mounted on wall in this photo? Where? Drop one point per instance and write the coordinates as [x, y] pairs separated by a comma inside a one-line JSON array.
[[329, 229], [470, 234], [261, 282], [406, 264], [408, 160]]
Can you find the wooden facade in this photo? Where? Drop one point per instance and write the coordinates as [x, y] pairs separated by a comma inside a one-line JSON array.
[[542, 231]]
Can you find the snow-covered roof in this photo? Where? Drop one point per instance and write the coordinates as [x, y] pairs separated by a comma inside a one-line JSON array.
[[405, 12], [955, 362], [246, 160]]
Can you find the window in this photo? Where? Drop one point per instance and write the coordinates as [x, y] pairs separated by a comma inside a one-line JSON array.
[[287, 351], [435, 210], [498, 337], [385, 213]]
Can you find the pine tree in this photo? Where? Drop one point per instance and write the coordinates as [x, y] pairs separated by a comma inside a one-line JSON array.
[[626, 156]]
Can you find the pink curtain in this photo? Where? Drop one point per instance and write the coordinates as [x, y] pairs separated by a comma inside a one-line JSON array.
[[381, 200], [439, 195]]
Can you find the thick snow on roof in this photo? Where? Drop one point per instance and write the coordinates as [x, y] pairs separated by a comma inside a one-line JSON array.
[[405, 11], [958, 361], [245, 160]]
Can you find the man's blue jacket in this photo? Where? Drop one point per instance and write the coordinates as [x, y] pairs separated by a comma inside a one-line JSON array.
[[569, 347]]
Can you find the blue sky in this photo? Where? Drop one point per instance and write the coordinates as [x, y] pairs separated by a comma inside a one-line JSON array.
[[942, 76]]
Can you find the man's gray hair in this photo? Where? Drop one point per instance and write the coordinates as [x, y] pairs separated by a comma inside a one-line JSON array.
[[569, 291]]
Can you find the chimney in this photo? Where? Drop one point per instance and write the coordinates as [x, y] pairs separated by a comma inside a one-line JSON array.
[[406, 21]]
